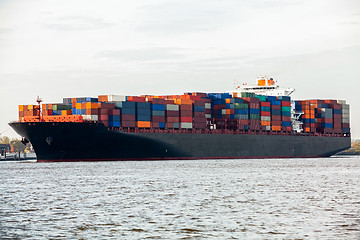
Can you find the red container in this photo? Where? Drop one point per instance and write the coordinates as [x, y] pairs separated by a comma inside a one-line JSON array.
[[263, 113], [199, 125], [199, 119], [170, 113], [158, 119], [199, 103], [275, 118], [275, 107], [286, 118], [158, 101], [103, 117], [199, 114], [104, 105], [186, 113], [286, 103], [125, 123], [172, 119], [90, 111], [186, 119], [265, 104], [186, 107], [128, 117]]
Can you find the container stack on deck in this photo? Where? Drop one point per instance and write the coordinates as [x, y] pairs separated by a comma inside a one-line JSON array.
[[198, 111]]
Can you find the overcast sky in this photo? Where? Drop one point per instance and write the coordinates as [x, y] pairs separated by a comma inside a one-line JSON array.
[[63, 48]]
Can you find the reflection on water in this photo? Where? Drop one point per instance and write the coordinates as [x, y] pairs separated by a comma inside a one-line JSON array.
[[261, 199]]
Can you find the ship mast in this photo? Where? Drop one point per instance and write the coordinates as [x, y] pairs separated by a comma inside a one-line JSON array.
[[39, 100]]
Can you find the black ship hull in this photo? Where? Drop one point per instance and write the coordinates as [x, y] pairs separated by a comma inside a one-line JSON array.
[[66, 141]]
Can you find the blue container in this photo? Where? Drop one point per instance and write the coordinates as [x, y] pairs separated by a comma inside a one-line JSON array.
[[286, 124], [161, 125], [238, 100], [284, 98], [158, 107], [116, 118], [229, 106], [143, 111], [128, 104], [143, 105], [276, 102], [73, 111], [130, 111], [254, 111], [270, 98], [337, 111], [143, 118], [158, 113], [286, 114], [326, 125], [276, 112], [199, 108], [219, 101], [116, 124], [265, 109], [83, 111], [90, 99]]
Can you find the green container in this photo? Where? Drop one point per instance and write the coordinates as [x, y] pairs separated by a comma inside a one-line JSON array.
[[58, 107], [241, 106], [255, 116], [285, 109], [262, 98], [247, 94]]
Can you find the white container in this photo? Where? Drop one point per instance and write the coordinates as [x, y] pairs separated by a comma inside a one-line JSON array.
[[186, 125], [208, 115], [207, 105], [116, 98], [341, 102], [172, 107]]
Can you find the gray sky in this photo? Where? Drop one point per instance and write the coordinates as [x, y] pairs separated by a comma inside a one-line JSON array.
[[63, 48]]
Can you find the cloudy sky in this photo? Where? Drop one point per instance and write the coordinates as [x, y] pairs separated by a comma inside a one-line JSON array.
[[63, 48]]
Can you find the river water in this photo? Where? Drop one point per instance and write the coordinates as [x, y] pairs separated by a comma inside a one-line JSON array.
[[216, 199]]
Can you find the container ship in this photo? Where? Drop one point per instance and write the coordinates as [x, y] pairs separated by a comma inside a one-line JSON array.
[[260, 121]]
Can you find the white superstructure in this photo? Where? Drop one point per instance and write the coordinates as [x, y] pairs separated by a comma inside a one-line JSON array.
[[265, 86]]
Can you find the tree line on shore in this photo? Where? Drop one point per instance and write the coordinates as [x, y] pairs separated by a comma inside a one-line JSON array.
[[15, 144]]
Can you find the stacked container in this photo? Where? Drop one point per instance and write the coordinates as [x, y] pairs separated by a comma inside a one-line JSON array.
[[308, 117], [172, 116], [186, 113], [199, 114], [265, 115], [345, 116], [285, 102], [128, 114], [143, 114], [254, 111], [158, 113]]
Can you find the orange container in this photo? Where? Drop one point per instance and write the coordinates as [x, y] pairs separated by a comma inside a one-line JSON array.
[[276, 128], [21, 108], [143, 124], [265, 123]]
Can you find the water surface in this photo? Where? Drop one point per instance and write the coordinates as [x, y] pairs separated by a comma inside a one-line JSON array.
[[239, 199]]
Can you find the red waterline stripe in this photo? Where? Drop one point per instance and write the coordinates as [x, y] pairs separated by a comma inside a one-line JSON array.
[[166, 159]]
